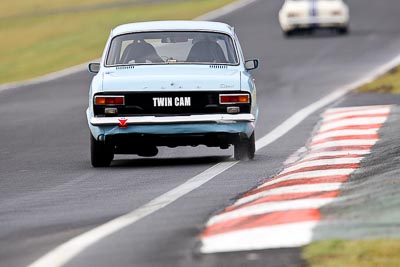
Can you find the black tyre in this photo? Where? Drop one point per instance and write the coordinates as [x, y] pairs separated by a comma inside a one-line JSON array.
[[245, 148], [343, 31], [288, 34], [101, 154]]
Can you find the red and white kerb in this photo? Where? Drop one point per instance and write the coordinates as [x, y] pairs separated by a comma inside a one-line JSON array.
[[283, 211]]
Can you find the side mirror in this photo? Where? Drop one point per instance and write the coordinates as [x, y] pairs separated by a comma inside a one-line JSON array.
[[94, 68], [251, 64]]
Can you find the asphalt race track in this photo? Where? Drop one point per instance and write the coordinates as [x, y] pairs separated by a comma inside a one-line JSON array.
[[49, 193]]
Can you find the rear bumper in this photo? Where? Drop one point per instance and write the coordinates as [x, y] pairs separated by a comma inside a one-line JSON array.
[[314, 22], [153, 120], [103, 128]]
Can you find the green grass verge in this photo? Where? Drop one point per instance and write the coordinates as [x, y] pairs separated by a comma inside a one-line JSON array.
[[388, 83], [42, 41], [340, 253]]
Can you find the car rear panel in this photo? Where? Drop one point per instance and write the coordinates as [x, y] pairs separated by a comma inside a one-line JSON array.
[[172, 104]]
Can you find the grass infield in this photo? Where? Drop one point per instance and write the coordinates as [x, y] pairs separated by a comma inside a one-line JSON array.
[[365, 253], [388, 83], [42, 36]]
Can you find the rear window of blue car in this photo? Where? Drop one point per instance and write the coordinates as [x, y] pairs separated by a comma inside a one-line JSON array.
[[195, 47]]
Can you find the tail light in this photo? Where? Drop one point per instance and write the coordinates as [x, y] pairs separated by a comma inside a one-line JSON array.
[[337, 13], [234, 99], [293, 15], [109, 100]]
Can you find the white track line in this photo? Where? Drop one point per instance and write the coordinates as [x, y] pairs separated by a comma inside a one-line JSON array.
[[230, 8], [65, 252], [81, 67], [277, 236], [269, 207], [68, 250], [48, 77], [308, 188]]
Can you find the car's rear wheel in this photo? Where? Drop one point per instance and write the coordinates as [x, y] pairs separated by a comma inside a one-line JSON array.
[[101, 154], [245, 148], [288, 33], [343, 30]]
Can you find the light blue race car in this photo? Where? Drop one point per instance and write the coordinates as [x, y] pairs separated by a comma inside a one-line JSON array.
[[171, 83]]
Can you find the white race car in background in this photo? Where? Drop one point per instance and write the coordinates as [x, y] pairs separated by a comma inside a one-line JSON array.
[[314, 14]]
